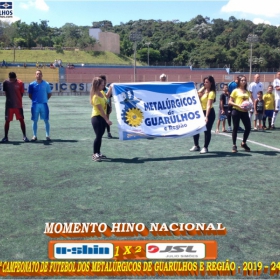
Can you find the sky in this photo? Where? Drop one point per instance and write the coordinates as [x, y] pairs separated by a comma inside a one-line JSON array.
[[83, 13]]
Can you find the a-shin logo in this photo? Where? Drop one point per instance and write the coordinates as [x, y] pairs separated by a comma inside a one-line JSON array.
[[74, 250], [175, 251], [6, 9]]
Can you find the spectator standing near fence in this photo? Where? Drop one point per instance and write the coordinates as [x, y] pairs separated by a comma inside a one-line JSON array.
[[59, 63], [259, 110], [231, 87], [163, 77], [269, 107], [40, 92], [254, 88], [224, 110], [13, 89], [276, 85]]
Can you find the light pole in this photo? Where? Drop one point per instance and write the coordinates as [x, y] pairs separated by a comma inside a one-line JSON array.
[[148, 44], [170, 44], [251, 39], [257, 60], [135, 37]]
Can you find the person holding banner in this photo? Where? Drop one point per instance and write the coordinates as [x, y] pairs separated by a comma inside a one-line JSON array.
[[239, 95], [109, 104], [99, 118], [207, 95]]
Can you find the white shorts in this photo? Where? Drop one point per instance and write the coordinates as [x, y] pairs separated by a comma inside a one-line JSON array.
[[277, 104]]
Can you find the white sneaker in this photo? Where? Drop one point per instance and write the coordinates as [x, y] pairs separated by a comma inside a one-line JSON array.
[[229, 128], [255, 128], [204, 151], [96, 157], [195, 149]]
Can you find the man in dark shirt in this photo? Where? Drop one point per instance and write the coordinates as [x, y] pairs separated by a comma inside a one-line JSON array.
[[14, 89]]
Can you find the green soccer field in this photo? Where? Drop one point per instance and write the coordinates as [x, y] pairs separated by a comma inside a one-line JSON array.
[[143, 181]]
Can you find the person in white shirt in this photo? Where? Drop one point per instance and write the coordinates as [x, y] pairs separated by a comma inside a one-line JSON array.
[[254, 88], [162, 78], [276, 86]]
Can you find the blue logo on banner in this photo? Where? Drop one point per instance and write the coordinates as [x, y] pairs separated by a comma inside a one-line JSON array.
[[83, 249], [6, 5], [6, 9]]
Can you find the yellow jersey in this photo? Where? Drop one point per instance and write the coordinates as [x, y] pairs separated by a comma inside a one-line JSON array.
[[269, 100], [204, 99], [96, 100], [238, 97]]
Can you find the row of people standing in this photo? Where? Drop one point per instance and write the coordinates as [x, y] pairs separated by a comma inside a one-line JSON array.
[[207, 95], [271, 102], [39, 93]]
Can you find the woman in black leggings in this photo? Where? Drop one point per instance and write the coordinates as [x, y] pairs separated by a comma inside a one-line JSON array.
[[237, 96], [99, 119], [207, 96]]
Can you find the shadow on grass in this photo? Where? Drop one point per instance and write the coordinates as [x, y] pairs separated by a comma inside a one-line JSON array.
[[44, 142], [203, 157], [266, 153]]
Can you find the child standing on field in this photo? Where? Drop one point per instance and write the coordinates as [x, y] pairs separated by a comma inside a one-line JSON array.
[[269, 107], [259, 110], [224, 112]]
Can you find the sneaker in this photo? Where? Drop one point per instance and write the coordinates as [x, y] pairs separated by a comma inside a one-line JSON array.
[[195, 149], [234, 149], [240, 128], [245, 147], [102, 156], [48, 138], [272, 126], [110, 135], [4, 140], [255, 128], [264, 127], [34, 138], [204, 151], [96, 157], [25, 139], [229, 129]]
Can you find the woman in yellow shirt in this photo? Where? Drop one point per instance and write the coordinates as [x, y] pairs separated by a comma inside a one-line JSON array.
[[239, 95], [207, 96], [99, 119]]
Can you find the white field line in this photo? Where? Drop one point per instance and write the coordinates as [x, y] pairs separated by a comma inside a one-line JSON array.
[[250, 141]]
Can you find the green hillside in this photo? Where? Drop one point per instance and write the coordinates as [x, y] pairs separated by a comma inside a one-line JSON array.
[[75, 57]]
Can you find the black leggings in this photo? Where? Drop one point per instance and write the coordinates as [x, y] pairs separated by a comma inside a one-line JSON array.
[[99, 126], [244, 117], [207, 133], [229, 115]]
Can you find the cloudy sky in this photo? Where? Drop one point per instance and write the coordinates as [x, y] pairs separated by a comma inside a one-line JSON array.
[[59, 12]]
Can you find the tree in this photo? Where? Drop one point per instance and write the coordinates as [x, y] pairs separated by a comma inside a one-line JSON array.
[[154, 55], [19, 42], [126, 47]]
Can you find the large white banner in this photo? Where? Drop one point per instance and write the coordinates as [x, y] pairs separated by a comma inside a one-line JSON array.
[[157, 110]]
